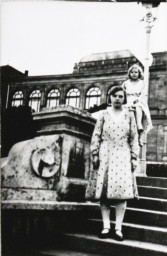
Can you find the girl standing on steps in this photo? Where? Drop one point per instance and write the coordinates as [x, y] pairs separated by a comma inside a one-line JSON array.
[[136, 99], [115, 150]]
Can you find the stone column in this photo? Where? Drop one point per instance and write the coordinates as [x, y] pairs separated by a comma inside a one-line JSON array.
[[82, 97], [42, 101], [62, 96], [25, 98], [164, 157], [103, 94]]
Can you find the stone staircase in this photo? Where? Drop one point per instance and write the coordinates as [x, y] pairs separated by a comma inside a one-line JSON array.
[[144, 227]]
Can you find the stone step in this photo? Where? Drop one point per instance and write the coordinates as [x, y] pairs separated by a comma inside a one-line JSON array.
[[152, 181], [149, 204], [63, 252], [143, 216], [142, 233], [133, 215], [155, 192], [143, 203], [157, 169], [107, 247], [46, 252]]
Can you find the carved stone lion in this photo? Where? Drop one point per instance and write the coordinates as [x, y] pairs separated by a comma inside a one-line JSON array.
[[33, 163]]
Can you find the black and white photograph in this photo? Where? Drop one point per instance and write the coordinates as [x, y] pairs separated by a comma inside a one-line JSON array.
[[83, 127]]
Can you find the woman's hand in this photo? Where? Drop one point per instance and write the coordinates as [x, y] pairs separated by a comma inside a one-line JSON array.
[[134, 165], [95, 162]]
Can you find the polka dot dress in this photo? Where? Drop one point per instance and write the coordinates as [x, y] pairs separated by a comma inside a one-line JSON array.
[[115, 140]]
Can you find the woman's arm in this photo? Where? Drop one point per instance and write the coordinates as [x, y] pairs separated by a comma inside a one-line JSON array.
[[96, 140], [96, 137]]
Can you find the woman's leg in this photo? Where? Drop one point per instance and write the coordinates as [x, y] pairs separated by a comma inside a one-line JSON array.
[[105, 212], [120, 212]]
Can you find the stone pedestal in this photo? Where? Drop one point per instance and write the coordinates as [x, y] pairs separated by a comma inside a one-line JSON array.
[[65, 120], [55, 165]]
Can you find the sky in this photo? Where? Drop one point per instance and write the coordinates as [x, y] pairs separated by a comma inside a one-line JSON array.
[[49, 37]]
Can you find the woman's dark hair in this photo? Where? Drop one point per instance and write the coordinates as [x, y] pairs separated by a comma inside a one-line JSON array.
[[112, 92]]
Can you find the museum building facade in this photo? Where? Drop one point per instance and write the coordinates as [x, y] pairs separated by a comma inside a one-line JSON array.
[[88, 87]]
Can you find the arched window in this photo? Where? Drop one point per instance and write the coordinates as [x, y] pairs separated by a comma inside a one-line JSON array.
[[34, 100], [17, 99], [93, 97], [72, 98], [53, 98]]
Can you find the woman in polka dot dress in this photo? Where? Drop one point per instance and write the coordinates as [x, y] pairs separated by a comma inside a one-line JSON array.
[[115, 151]]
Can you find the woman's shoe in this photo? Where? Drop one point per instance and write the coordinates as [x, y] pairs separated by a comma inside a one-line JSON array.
[[105, 234], [118, 236]]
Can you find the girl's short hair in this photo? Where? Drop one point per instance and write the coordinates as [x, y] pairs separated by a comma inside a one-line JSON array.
[[115, 89], [138, 68]]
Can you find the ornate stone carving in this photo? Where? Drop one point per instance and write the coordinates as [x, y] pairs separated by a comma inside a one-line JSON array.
[[33, 163], [46, 161]]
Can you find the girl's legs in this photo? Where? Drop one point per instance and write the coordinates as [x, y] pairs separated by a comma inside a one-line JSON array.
[[139, 115], [120, 208], [139, 118], [105, 212]]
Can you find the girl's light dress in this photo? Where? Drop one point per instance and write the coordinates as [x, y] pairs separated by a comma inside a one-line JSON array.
[[136, 92]]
